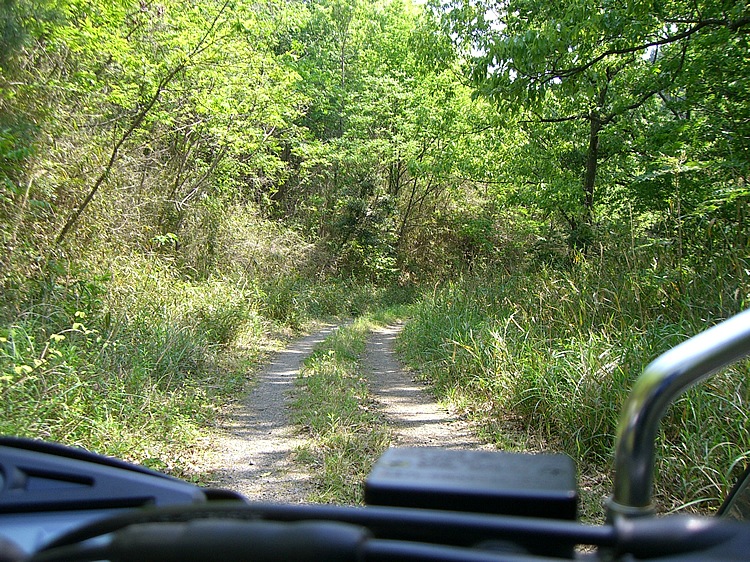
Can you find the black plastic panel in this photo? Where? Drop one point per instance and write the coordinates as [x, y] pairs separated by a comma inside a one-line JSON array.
[[37, 478], [477, 481]]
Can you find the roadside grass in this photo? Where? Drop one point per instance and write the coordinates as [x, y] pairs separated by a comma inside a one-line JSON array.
[[134, 365], [334, 408], [543, 360], [137, 361]]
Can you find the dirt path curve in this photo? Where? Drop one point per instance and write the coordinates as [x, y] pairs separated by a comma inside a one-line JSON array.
[[254, 456], [417, 420]]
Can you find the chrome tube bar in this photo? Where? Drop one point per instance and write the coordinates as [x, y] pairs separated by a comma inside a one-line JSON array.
[[661, 382]]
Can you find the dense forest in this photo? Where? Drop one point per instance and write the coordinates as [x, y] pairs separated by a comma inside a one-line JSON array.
[[557, 189]]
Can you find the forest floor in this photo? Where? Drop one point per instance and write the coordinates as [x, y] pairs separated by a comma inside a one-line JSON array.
[[254, 452]]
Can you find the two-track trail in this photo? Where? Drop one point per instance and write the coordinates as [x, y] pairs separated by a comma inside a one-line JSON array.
[[255, 455]]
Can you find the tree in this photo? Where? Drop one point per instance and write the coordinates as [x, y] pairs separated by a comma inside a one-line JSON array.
[[386, 136], [150, 92], [27, 65], [133, 124], [337, 192], [582, 61]]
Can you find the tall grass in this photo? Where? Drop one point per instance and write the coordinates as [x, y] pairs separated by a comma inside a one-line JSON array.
[[135, 372], [132, 358], [551, 353], [294, 299]]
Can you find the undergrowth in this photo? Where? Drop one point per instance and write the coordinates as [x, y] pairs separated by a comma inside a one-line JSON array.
[[130, 365], [139, 361], [544, 358]]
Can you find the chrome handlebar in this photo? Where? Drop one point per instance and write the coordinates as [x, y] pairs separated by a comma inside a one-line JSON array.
[[661, 382]]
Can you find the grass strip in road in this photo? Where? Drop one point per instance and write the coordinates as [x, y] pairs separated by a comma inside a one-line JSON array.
[[334, 406]]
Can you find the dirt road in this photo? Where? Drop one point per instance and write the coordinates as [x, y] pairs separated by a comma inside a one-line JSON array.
[[417, 418], [255, 455]]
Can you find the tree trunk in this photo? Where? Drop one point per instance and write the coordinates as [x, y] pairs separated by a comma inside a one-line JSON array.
[[581, 229], [592, 161]]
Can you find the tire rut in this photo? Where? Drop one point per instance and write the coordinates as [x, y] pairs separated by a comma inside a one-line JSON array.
[[255, 453], [416, 418]]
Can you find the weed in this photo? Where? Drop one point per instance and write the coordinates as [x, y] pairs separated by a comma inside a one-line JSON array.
[[129, 366], [549, 355]]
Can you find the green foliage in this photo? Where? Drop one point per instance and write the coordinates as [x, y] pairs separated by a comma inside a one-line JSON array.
[[606, 95], [127, 365], [281, 301], [388, 133], [24, 101], [189, 174], [294, 301], [65, 386]]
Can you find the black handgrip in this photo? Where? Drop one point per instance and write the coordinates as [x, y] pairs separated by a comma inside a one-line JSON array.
[[231, 540], [670, 536]]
